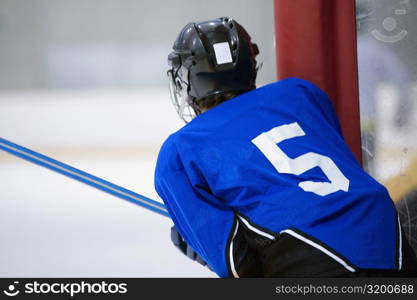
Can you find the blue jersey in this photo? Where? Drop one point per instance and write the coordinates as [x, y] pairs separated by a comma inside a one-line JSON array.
[[275, 159]]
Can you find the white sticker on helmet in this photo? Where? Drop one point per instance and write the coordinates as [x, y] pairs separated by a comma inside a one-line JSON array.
[[222, 52]]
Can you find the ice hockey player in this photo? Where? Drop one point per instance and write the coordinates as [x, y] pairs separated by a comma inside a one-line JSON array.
[[260, 182]]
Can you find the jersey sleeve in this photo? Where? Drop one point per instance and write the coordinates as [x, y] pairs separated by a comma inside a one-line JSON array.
[[204, 221]]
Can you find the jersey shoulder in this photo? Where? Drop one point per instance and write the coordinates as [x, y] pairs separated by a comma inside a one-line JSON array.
[[287, 82], [315, 98], [292, 83], [168, 157]]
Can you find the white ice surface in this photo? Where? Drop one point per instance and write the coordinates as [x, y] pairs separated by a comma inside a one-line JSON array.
[[53, 226]]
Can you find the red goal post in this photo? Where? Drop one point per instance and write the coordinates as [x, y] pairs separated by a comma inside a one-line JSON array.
[[316, 41]]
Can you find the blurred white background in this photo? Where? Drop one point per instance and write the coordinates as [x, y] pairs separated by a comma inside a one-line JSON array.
[[85, 83]]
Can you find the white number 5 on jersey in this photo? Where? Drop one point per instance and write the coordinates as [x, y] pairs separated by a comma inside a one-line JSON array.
[[267, 143]]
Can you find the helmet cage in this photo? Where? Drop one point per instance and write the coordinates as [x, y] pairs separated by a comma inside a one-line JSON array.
[[180, 98]]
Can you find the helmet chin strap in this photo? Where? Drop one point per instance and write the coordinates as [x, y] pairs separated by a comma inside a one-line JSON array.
[[194, 106], [259, 66], [187, 109]]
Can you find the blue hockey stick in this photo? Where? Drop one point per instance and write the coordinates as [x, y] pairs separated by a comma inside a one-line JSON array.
[[82, 176]]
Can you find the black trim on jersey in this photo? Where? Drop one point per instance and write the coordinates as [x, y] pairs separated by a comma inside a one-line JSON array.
[[260, 228], [318, 242], [228, 244]]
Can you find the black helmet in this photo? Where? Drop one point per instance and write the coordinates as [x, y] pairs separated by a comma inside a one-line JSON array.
[[210, 58]]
